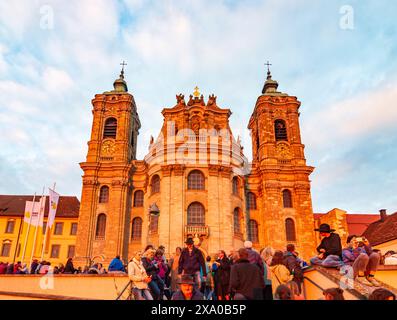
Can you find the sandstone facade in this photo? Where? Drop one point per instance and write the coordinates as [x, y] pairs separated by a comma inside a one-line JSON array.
[[195, 180]]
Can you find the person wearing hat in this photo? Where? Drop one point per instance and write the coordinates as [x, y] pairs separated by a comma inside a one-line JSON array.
[[191, 261], [330, 248], [187, 290]]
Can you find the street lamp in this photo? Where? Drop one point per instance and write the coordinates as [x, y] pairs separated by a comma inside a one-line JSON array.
[[154, 210]]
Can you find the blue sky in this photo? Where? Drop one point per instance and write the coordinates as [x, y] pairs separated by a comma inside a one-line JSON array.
[[345, 78]]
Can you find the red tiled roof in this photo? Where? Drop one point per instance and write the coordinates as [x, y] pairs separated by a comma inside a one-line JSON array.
[[380, 231], [356, 223], [14, 205]]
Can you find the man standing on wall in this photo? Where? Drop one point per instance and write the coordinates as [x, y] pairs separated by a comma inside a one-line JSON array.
[[190, 262]]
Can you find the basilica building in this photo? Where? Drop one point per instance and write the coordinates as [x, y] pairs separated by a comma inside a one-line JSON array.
[[195, 180]]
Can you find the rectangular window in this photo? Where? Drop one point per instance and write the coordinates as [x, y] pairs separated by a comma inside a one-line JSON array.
[[55, 248], [58, 228], [71, 251], [5, 249], [10, 226], [73, 229]]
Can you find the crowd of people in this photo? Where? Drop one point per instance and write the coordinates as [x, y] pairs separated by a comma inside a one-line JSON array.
[[45, 267], [242, 274], [246, 274]]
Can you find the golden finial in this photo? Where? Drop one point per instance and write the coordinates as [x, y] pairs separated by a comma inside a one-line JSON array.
[[196, 92]]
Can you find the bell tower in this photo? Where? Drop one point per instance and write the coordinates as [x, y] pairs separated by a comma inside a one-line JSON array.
[[103, 227], [279, 164]]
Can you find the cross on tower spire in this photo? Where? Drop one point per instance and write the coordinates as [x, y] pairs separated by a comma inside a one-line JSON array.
[[268, 64], [270, 84], [119, 84], [122, 70], [269, 75], [196, 92], [123, 64]]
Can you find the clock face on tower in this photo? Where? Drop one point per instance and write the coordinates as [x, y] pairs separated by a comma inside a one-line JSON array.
[[283, 150], [108, 147]]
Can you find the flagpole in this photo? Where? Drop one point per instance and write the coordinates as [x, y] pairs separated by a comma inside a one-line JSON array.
[[46, 226], [37, 227], [17, 244], [27, 231]]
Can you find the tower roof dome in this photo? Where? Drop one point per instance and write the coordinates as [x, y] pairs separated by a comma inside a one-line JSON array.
[[270, 84], [119, 84]]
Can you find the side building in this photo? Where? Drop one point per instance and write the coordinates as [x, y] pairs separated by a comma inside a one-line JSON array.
[[13, 231]]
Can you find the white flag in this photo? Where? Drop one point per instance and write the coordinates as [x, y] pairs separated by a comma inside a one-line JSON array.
[[34, 212], [54, 198]]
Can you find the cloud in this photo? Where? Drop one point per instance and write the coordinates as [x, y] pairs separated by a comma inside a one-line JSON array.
[[16, 17], [56, 80], [354, 118], [12, 178]]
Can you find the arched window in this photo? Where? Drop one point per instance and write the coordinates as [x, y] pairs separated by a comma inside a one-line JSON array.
[[104, 194], [154, 224], [136, 233], [235, 186], [100, 226], [280, 130], [196, 214], [138, 198], [236, 221], [251, 201], [155, 184], [196, 180], [287, 199], [253, 231], [290, 229], [110, 129]]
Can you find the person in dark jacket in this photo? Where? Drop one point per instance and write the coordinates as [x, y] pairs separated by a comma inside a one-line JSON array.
[[291, 261], [246, 279], [69, 268], [187, 290], [33, 266], [190, 262], [10, 269], [330, 248], [222, 276], [156, 285], [39, 266], [253, 256]]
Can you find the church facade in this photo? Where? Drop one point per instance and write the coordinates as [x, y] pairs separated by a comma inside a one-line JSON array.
[[195, 180]]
